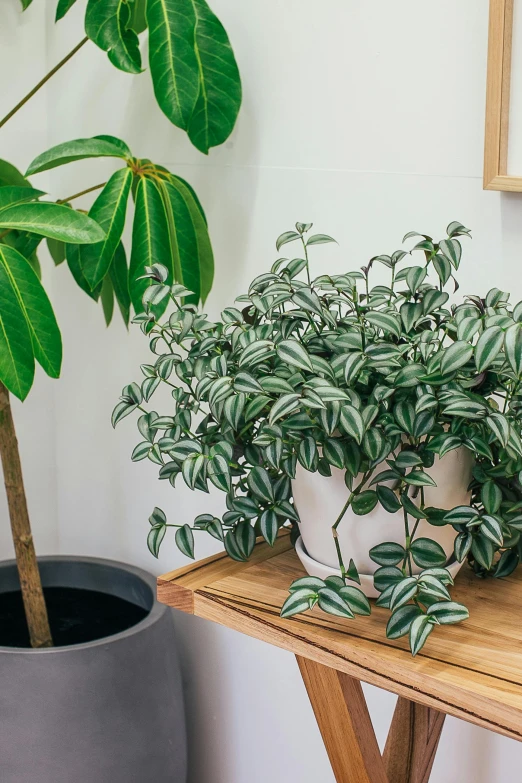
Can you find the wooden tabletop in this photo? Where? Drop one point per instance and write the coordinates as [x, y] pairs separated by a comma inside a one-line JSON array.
[[472, 670]]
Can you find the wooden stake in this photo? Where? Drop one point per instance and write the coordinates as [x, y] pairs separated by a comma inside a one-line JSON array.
[[30, 581]]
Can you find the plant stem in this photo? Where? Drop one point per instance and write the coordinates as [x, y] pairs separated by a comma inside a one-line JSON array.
[[81, 193], [42, 82], [30, 581], [306, 258], [407, 542]]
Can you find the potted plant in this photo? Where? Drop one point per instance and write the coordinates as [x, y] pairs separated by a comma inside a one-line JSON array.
[[91, 688], [381, 422]]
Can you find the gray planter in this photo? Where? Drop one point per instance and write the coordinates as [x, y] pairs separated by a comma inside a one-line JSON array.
[[108, 711]]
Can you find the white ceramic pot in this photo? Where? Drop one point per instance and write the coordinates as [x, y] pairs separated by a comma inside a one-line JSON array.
[[320, 499]]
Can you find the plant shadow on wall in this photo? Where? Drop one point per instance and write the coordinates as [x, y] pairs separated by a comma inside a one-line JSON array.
[[379, 385], [197, 86]]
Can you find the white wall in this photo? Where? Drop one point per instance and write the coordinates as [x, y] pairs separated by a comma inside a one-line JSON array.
[[365, 117]]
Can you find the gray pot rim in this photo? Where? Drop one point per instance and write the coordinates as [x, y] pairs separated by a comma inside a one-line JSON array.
[[152, 617]]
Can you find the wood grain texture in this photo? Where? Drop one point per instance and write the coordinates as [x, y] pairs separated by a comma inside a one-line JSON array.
[[412, 742], [472, 670], [498, 91], [346, 728]]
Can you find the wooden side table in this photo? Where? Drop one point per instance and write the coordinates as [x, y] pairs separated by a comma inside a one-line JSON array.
[[472, 671]]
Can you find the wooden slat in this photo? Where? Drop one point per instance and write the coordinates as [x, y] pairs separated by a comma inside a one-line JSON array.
[[498, 90], [412, 742], [472, 670], [177, 588], [346, 728]]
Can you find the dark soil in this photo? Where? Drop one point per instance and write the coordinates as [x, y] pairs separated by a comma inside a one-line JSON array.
[[76, 616]]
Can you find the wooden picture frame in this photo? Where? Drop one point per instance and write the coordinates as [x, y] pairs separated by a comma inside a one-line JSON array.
[[498, 98]]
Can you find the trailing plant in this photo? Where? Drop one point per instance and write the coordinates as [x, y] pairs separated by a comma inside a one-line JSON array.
[[374, 380], [197, 85]]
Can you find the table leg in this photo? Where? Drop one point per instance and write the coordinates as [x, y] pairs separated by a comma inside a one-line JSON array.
[[412, 742], [345, 724], [346, 728]]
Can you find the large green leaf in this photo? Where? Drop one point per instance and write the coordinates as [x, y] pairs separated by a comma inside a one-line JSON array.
[[36, 307], [16, 349], [106, 25], [172, 58], [9, 175], [138, 20], [79, 149], [108, 211], [119, 274], [26, 4], [52, 220], [17, 194], [193, 260], [219, 97], [72, 254], [107, 299], [150, 241], [62, 8]]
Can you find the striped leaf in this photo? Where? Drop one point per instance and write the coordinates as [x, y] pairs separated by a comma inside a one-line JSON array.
[[286, 404], [155, 537], [410, 314], [332, 603], [455, 356], [427, 553], [462, 546], [488, 347], [500, 427], [356, 600], [307, 300], [388, 499], [233, 409], [185, 541], [513, 347], [352, 422], [386, 321], [232, 547], [466, 409], [468, 328], [244, 382], [420, 629], [483, 551], [452, 249], [491, 528], [433, 300], [418, 478], [109, 212], [491, 496], [404, 414], [354, 364], [260, 484], [295, 354], [365, 502], [299, 601], [192, 467], [269, 526], [245, 538], [307, 454], [448, 612], [373, 443], [431, 586], [387, 554], [334, 452], [400, 622], [403, 592], [255, 353]]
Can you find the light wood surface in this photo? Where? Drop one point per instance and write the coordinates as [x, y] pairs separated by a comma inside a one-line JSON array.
[[412, 742], [345, 724], [498, 90], [472, 670]]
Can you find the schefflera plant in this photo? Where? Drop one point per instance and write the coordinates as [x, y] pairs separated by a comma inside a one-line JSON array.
[[337, 372]]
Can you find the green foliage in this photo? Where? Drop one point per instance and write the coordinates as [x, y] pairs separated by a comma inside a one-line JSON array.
[[376, 381], [197, 85]]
